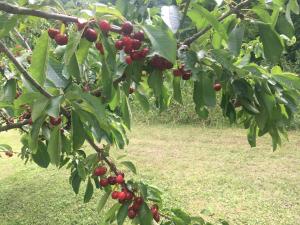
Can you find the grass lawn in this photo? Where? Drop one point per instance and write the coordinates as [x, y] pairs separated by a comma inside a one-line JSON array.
[[197, 168]]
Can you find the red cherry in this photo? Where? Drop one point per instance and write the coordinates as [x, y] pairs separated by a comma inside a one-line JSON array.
[[119, 45], [112, 180], [136, 44], [103, 182], [129, 195], [135, 55], [128, 49], [127, 28], [138, 201], [99, 46], [122, 195], [177, 72], [52, 32], [115, 195], [136, 207], [100, 171], [154, 209], [119, 179], [61, 39], [167, 64], [131, 213], [18, 94], [104, 26], [90, 34], [144, 52], [81, 24], [86, 88], [131, 90], [186, 75], [128, 59], [127, 41], [156, 217], [55, 121], [217, 86], [139, 35], [9, 153]]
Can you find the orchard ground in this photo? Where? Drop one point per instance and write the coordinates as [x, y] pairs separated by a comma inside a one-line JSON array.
[[196, 168]]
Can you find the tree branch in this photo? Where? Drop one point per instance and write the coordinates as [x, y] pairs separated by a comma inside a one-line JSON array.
[[27, 76], [14, 126], [9, 8], [193, 38]]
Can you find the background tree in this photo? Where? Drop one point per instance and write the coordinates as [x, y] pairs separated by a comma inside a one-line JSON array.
[[72, 79]]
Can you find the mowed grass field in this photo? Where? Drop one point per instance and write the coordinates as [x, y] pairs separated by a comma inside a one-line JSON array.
[[196, 168]]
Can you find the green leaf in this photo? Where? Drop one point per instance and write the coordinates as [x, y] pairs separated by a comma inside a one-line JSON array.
[[41, 157], [251, 136], [162, 40], [39, 62], [38, 107], [204, 94], [54, 146], [145, 215], [236, 39], [122, 213], [54, 106], [81, 169], [9, 90], [273, 47], [177, 89], [78, 135], [76, 180], [212, 20], [126, 112], [155, 81], [34, 134], [73, 42], [111, 213], [83, 50], [182, 215], [5, 147], [107, 81], [89, 191], [289, 80], [143, 100], [7, 23], [103, 201], [293, 5], [73, 68], [130, 166], [284, 27], [102, 9]]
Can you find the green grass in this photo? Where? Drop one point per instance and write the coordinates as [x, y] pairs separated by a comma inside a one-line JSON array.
[[196, 168]]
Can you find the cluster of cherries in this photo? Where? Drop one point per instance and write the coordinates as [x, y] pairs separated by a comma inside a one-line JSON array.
[[124, 195], [181, 72], [130, 43]]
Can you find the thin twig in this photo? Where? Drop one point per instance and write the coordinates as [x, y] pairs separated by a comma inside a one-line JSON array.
[[193, 38], [12, 9], [22, 39]]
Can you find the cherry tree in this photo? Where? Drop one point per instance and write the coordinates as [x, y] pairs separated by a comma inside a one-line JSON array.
[[70, 69]]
